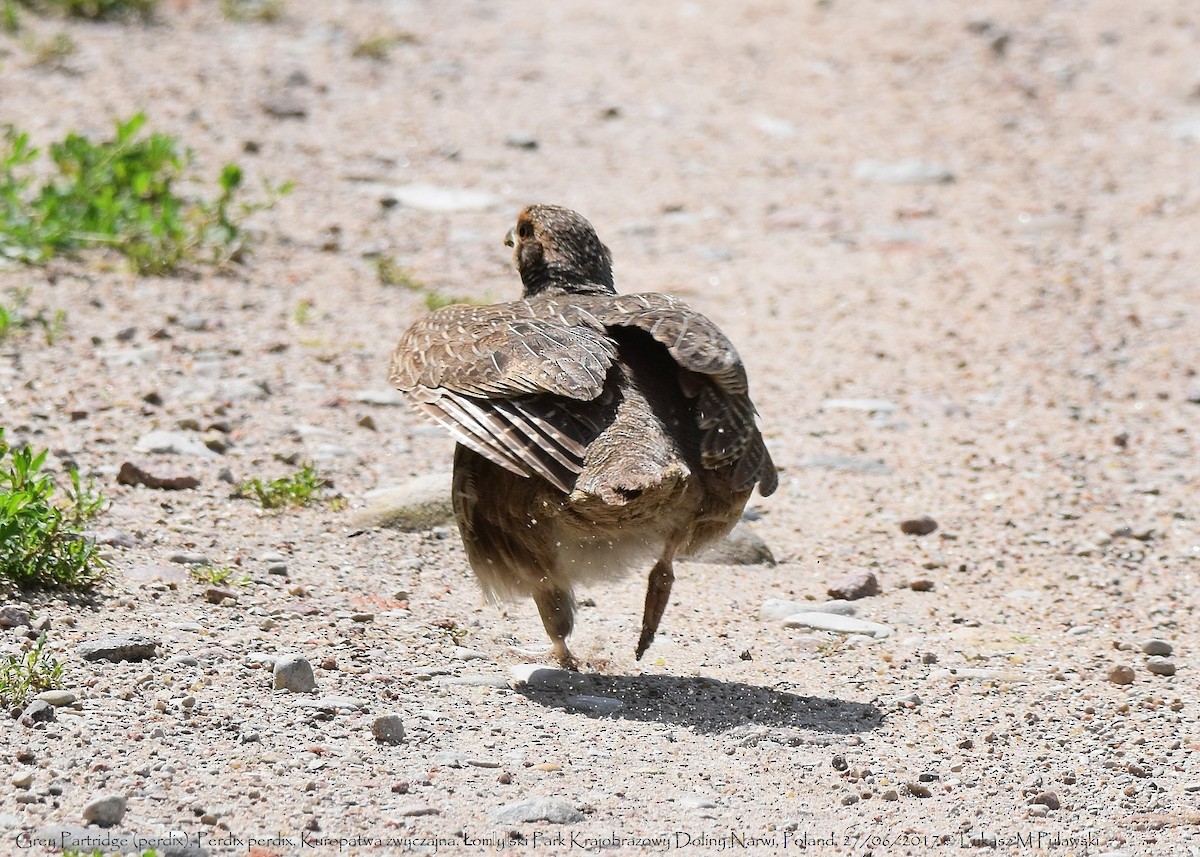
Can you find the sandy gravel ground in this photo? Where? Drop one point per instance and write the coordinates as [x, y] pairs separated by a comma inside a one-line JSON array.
[[1003, 336]]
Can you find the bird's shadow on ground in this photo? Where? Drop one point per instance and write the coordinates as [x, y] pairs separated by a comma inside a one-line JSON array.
[[706, 705]]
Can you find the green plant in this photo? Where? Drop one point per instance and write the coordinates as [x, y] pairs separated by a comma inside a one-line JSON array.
[[53, 324], [118, 193], [302, 488], [22, 676], [40, 544], [380, 47], [303, 313], [392, 273], [252, 10], [95, 9], [52, 51], [214, 576]]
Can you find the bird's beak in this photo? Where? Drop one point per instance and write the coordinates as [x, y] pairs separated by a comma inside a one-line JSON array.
[[510, 238]]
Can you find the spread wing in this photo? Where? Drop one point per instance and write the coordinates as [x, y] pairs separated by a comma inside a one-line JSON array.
[[710, 371], [493, 375]]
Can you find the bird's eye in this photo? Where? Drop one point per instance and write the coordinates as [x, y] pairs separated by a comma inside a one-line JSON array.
[[524, 230]]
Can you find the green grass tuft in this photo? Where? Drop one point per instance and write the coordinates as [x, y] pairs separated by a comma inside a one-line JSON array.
[[118, 193], [302, 488], [28, 674], [40, 541], [96, 10]]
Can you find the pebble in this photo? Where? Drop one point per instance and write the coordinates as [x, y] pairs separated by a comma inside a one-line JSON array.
[[854, 586], [188, 558], [1120, 674], [1160, 665], [697, 802], [12, 616], [294, 674], [1048, 800], [519, 140], [778, 609], [424, 197], [105, 810], [37, 711], [418, 504], [742, 546], [921, 584], [118, 647], [909, 171], [413, 810], [57, 698], [388, 729], [1157, 647], [22, 779], [837, 624], [242, 390], [921, 526], [533, 675], [595, 704], [284, 105], [539, 809], [774, 126], [132, 474], [215, 595], [173, 443], [1038, 810], [891, 794], [918, 789], [462, 653]]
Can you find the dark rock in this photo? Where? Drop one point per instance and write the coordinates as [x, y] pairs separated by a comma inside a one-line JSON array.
[[131, 474], [921, 526], [854, 586]]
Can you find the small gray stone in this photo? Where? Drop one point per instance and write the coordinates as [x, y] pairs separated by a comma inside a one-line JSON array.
[[837, 624], [294, 674], [174, 443], [539, 676], [519, 140], [189, 558], [1157, 647], [419, 504], [57, 698], [860, 584], [910, 171], [105, 810], [388, 729], [596, 704], [1038, 810], [778, 609], [37, 711], [742, 546], [12, 616], [118, 647], [539, 809], [1160, 665], [284, 105]]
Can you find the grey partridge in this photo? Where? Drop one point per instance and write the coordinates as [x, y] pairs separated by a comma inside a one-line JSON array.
[[597, 432]]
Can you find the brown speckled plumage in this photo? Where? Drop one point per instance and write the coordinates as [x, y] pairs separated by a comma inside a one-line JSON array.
[[597, 432]]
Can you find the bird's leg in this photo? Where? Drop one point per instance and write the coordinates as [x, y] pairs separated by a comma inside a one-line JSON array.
[[557, 607], [657, 595]]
